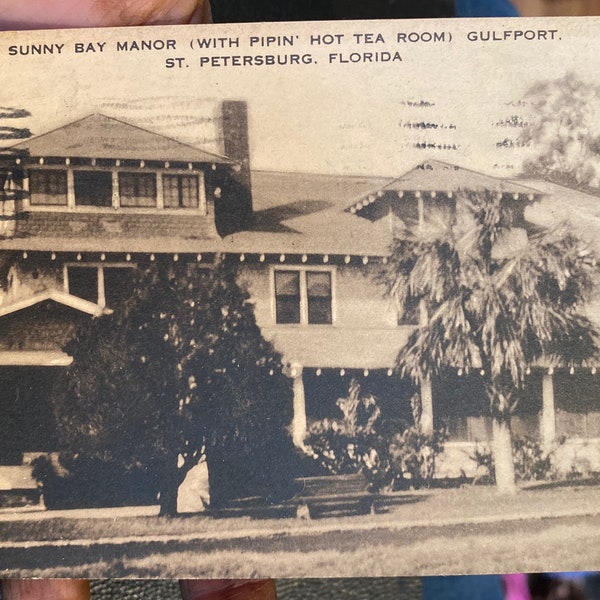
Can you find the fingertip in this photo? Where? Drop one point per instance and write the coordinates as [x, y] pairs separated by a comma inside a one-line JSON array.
[[45, 589], [203, 13]]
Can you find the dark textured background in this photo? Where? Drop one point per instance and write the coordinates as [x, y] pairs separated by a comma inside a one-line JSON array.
[[314, 10], [407, 588]]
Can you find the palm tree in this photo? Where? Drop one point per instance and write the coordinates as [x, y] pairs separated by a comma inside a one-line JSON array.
[[493, 304]]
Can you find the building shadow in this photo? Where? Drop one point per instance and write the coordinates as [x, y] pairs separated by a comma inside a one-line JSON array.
[[270, 220]]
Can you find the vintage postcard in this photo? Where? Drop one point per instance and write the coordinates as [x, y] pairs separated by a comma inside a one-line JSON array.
[[303, 299]]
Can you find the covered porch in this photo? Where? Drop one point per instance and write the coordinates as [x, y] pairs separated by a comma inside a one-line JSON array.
[[558, 407]]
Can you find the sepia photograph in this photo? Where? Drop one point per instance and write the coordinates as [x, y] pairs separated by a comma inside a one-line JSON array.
[[300, 299]]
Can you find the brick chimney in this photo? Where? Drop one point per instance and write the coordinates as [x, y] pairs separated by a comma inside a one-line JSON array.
[[233, 209]]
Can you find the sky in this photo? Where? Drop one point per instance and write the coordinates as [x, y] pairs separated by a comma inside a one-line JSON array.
[[365, 117]]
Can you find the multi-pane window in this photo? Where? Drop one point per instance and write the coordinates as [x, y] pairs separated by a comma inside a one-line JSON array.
[[48, 187], [137, 189], [180, 191], [106, 285], [576, 402], [83, 282], [287, 296], [118, 285], [303, 297], [93, 188], [105, 188], [406, 213], [410, 313], [318, 296]]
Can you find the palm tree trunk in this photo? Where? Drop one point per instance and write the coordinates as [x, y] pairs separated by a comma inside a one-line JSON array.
[[503, 458]]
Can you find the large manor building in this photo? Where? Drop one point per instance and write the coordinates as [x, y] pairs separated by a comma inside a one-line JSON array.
[[82, 205]]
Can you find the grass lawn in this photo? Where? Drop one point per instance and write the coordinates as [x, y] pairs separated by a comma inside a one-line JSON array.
[[399, 542]]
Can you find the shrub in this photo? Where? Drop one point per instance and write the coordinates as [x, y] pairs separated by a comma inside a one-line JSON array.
[[486, 470], [531, 461], [73, 481], [342, 445], [413, 455], [389, 454]]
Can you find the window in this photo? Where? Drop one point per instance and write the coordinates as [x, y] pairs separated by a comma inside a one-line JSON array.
[[576, 402], [83, 282], [318, 297], [180, 191], [303, 297], [410, 314], [287, 296], [439, 211], [48, 187], [137, 189], [106, 285], [118, 285], [93, 188], [406, 212]]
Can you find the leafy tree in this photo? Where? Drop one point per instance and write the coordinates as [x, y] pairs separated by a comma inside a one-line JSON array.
[[564, 127], [177, 374], [494, 306], [7, 155]]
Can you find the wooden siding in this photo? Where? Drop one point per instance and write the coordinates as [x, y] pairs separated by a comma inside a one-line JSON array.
[[65, 225], [364, 333]]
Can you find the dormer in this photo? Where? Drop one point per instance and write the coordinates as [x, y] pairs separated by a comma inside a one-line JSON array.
[[102, 174], [429, 193], [101, 162]]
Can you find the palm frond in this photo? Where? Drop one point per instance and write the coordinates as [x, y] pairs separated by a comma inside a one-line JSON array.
[[504, 310]]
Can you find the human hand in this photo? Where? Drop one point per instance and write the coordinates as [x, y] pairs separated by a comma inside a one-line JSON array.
[[49, 14], [45, 589], [191, 589]]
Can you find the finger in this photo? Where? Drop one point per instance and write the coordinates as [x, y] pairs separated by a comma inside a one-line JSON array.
[[47, 14], [150, 12], [228, 589], [45, 589], [203, 13], [516, 587]]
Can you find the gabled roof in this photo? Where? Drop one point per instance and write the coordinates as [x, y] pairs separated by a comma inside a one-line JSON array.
[[59, 297], [34, 358], [99, 136], [295, 213], [435, 176]]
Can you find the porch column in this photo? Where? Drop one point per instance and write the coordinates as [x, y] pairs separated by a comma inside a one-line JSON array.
[[202, 193], [426, 407], [160, 195], [115, 199], [299, 418], [548, 423], [70, 188]]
